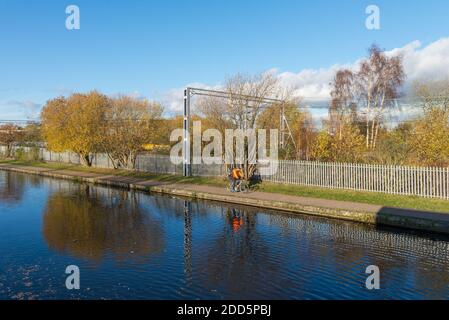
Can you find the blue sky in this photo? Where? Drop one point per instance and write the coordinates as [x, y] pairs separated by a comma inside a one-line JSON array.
[[155, 47]]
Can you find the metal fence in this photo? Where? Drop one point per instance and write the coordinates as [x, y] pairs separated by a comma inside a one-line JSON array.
[[428, 182], [144, 162], [431, 182]]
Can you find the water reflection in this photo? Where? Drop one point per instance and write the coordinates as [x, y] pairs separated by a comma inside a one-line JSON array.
[[170, 248], [188, 241], [89, 224], [415, 263], [12, 187], [240, 259]]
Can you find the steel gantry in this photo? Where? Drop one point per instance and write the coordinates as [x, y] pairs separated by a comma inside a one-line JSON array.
[[190, 92]]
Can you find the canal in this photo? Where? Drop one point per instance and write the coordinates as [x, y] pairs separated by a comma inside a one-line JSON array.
[[132, 245]]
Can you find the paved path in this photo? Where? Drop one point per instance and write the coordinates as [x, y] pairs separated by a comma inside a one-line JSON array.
[[321, 207], [208, 189]]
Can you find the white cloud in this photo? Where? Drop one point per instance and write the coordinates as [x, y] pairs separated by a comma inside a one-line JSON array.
[[173, 99], [19, 110], [420, 62], [429, 62], [310, 83]]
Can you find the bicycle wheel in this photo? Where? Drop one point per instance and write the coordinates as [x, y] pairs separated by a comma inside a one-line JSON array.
[[244, 186]]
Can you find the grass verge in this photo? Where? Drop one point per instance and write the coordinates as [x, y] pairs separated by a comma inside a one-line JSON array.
[[220, 182]]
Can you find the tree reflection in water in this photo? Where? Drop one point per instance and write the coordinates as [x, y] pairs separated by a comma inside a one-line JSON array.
[[88, 224], [202, 249], [12, 187]]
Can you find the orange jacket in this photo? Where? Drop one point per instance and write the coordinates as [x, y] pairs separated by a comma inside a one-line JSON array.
[[237, 173]]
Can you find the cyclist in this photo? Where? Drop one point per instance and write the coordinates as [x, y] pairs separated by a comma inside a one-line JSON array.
[[235, 179]]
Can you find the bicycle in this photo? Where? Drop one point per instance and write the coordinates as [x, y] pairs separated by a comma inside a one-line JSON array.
[[242, 186]]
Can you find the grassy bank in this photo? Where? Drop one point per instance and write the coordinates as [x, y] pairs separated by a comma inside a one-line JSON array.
[[387, 200], [220, 182]]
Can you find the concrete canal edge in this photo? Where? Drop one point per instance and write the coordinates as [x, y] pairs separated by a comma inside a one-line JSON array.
[[396, 217]]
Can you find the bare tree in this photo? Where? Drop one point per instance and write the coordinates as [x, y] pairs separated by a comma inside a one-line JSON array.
[[243, 107], [342, 109], [243, 111]]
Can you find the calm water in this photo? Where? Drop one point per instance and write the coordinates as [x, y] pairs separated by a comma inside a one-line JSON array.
[[130, 245]]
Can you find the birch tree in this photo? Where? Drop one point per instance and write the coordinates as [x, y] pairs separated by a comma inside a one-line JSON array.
[[378, 84], [342, 110]]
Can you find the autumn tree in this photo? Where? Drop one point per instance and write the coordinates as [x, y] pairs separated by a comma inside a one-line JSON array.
[[300, 125], [431, 138], [55, 120], [431, 130], [331, 147], [129, 124], [73, 124], [395, 146], [10, 134], [321, 149], [349, 147]]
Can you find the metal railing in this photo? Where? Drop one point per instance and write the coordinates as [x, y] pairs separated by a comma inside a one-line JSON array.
[[430, 182]]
